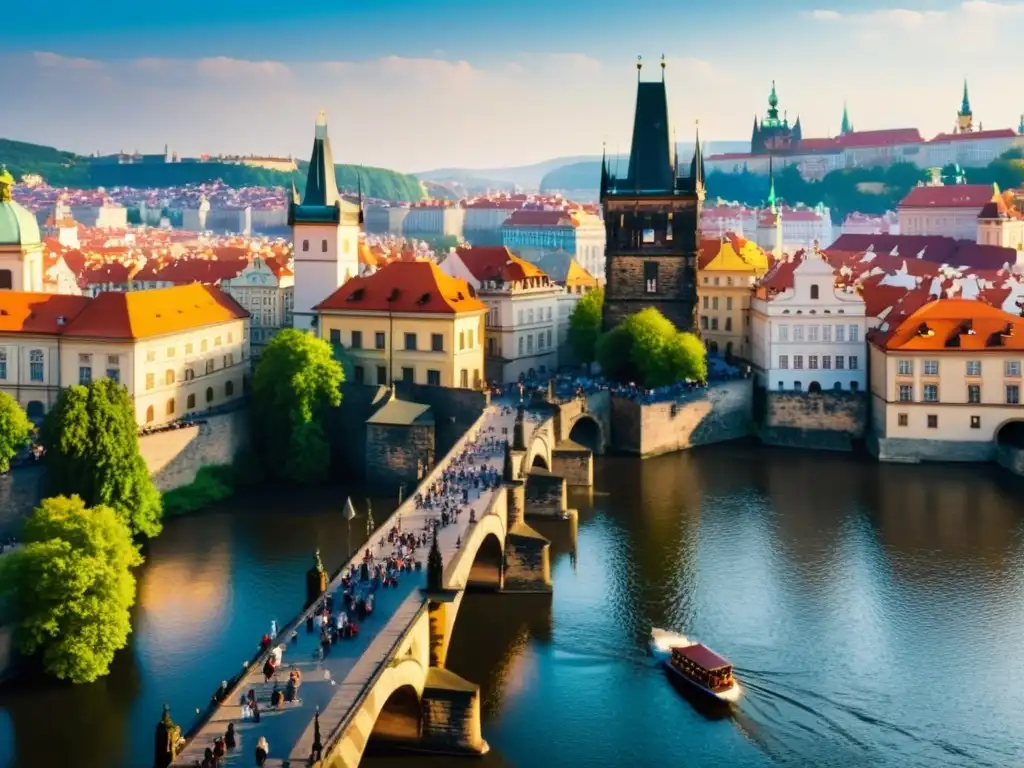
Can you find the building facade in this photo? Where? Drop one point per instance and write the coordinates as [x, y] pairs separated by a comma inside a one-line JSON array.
[[21, 249], [651, 221], [407, 321], [807, 333], [728, 270], [531, 234], [949, 211], [266, 289]]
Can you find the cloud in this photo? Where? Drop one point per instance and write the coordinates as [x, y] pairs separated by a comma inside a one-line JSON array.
[[891, 19], [48, 60], [226, 68]]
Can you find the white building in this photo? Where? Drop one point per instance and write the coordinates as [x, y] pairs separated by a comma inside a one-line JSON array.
[[949, 211], [807, 333], [522, 311], [266, 288], [325, 233]]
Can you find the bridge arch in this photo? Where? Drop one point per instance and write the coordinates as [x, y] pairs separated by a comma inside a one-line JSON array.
[[538, 455], [588, 432], [1010, 433], [401, 717]]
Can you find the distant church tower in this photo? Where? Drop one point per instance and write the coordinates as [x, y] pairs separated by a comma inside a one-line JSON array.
[[325, 233], [964, 118], [651, 220], [846, 126]]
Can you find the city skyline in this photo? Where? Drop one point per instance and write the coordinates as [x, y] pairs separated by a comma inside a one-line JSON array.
[[415, 87]]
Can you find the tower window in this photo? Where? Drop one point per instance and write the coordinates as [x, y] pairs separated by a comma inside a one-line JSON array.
[[323, 246], [650, 277], [305, 245], [814, 291]]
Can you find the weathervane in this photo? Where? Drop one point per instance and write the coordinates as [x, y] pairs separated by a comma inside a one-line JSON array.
[[663, 66], [639, 65]]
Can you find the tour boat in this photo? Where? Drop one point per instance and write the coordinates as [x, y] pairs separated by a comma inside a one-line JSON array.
[[696, 665]]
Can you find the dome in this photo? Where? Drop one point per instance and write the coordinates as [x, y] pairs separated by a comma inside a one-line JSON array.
[[18, 226]]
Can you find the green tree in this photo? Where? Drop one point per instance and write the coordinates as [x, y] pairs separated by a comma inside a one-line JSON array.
[[297, 381], [92, 450], [647, 349], [585, 326], [71, 587], [15, 430]]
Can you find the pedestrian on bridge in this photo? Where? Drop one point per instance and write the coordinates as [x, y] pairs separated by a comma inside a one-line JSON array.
[[262, 751]]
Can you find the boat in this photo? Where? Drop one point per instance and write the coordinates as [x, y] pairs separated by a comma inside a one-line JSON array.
[[695, 664]]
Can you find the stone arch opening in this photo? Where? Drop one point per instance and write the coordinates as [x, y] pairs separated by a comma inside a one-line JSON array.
[[488, 566], [587, 432], [1011, 434], [814, 387], [713, 348], [539, 462], [35, 410], [400, 719]]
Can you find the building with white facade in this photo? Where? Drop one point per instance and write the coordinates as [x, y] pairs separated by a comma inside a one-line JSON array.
[[807, 331], [949, 211], [325, 233], [532, 234], [266, 288], [522, 311]]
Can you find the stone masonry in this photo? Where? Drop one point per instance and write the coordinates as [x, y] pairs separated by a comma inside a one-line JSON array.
[[575, 464], [626, 280], [818, 420], [175, 457], [451, 714], [398, 454]]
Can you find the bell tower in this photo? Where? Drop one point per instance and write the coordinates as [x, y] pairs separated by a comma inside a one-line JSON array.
[[651, 219], [964, 117]]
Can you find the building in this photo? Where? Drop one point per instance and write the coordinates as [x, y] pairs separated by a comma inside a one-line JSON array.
[[949, 211], [21, 249], [486, 215], [522, 311], [807, 330], [432, 218], [575, 282], [178, 351], [651, 221], [1001, 223], [266, 288], [728, 269], [945, 380], [325, 233], [531, 234], [407, 321], [773, 134]]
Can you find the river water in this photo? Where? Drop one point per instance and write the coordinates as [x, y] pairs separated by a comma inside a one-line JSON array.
[[875, 615]]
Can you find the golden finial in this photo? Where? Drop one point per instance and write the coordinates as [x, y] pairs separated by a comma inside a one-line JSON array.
[[321, 117], [663, 61], [639, 64], [6, 182]]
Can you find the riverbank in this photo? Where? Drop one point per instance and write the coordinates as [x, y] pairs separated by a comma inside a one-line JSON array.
[[214, 483]]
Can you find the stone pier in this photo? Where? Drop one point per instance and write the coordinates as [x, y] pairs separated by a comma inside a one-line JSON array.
[[546, 494], [451, 715], [575, 463]]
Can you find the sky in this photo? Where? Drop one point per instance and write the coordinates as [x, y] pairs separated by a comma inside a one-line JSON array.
[[416, 85]]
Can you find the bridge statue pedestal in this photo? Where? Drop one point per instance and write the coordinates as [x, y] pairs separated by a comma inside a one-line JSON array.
[[451, 715]]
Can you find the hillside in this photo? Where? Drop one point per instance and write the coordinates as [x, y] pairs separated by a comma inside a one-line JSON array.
[[526, 176], [66, 169]]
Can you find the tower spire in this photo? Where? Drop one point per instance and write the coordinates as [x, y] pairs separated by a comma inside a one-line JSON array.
[[321, 183], [639, 66], [663, 67], [772, 199], [604, 170], [697, 164], [965, 103], [845, 128]]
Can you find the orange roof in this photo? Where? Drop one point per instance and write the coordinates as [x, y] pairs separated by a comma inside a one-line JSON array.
[[497, 263], [144, 314], [23, 312], [366, 255], [954, 324], [404, 286]]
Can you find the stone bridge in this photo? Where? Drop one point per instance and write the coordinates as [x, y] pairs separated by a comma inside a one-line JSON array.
[[390, 684]]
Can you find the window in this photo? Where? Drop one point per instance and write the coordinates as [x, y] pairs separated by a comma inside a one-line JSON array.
[[210, 366], [462, 340], [151, 356], [798, 333], [209, 394], [840, 361], [522, 342], [812, 362], [728, 300], [826, 360], [529, 316], [357, 339], [973, 393], [783, 333], [3, 364], [202, 345], [905, 368], [1011, 368], [408, 375], [216, 341], [84, 375], [149, 415], [529, 344], [798, 386], [549, 317], [783, 361], [35, 365], [231, 338], [705, 302], [931, 393], [335, 336], [171, 352], [728, 323], [434, 378], [975, 422], [191, 402], [933, 421], [974, 367], [521, 317], [305, 245], [814, 291], [854, 334], [464, 378], [714, 323], [170, 407], [378, 340], [382, 374], [826, 333], [902, 419], [840, 335], [114, 374], [437, 342], [812, 333], [931, 367], [906, 393], [150, 381], [704, 322], [853, 363], [650, 276], [1013, 394], [360, 374], [798, 362], [323, 246], [189, 374], [714, 302]]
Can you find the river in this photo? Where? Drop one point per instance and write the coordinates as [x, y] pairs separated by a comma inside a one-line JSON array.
[[875, 615]]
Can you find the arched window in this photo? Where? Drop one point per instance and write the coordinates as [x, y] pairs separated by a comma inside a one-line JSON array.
[[229, 389], [209, 394], [191, 401], [170, 407], [149, 415], [35, 365], [169, 377], [814, 291]]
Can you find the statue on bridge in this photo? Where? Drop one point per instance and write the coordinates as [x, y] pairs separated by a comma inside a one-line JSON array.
[[316, 754], [507, 472], [168, 736], [435, 567], [316, 580], [519, 430]]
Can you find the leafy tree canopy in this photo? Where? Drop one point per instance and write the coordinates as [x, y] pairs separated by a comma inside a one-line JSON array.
[[585, 326], [92, 450], [297, 381], [15, 430], [647, 349], [71, 587]]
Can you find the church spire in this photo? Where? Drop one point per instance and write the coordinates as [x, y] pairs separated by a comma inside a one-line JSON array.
[[697, 164], [604, 170], [651, 156], [965, 103], [1020, 128], [321, 183], [773, 106], [964, 118], [772, 199], [845, 128]]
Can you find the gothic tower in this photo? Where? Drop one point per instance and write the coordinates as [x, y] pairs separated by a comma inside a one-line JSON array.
[[325, 233], [964, 117], [651, 220]]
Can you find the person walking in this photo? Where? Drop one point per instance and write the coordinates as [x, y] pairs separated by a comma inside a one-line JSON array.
[[262, 751]]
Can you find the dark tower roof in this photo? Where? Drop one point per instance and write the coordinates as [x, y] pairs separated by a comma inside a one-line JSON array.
[[652, 156], [697, 164], [321, 184], [965, 103], [845, 127]]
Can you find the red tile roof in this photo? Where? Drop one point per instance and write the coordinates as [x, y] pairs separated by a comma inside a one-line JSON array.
[[954, 324], [884, 138], [412, 286], [934, 248], [497, 263], [523, 218], [1000, 133], [949, 196], [23, 312], [703, 657]]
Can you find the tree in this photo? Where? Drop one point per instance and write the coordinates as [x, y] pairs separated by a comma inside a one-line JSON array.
[[585, 326], [71, 587], [92, 450], [297, 381], [15, 430], [647, 349]]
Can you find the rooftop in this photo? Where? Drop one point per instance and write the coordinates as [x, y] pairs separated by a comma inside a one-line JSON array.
[[404, 286], [497, 263], [944, 324]]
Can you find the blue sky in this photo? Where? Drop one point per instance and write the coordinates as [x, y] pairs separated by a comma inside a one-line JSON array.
[[416, 85]]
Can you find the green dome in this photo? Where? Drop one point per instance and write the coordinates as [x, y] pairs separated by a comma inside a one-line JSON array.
[[17, 225]]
